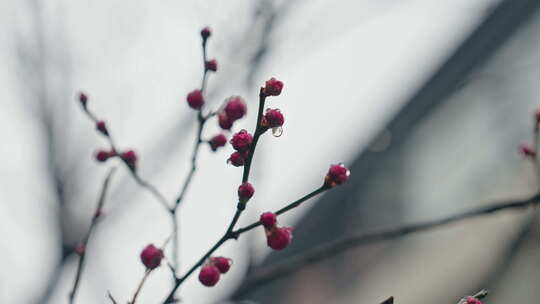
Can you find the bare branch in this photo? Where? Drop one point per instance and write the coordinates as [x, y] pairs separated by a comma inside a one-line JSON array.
[[270, 273], [83, 245]]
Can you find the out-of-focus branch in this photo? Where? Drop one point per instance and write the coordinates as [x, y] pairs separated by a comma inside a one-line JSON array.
[[110, 296], [270, 273], [82, 247], [388, 301]]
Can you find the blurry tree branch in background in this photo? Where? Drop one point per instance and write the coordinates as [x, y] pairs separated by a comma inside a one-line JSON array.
[[297, 262], [81, 248]]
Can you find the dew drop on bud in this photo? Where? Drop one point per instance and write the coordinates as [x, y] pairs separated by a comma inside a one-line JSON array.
[[277, 131]]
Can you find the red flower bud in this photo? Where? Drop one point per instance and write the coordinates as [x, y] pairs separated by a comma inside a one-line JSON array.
[[102, 128], [279, 238], [151, 256], [273, 118], [268, 220], [337, 175], [211, 65], [273, 87], [206, 32], [224, 121], [237, 159], [83, 99], [130, 158], [223, 264], [217, 141], [195, 99], [245, 191], [241, 141], [209, 275], [80, 249], [102, 156], [235, 107], [526, 150], [472, 300]]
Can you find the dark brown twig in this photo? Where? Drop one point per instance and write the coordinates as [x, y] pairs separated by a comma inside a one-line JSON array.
[[113, 300], [388, 301], [139, 287], [84, 243], [321, 252]]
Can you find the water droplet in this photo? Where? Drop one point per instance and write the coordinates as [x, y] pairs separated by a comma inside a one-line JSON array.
[[277, 131]]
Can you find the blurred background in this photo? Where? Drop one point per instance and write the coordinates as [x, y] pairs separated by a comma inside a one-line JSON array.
[[426, 102]]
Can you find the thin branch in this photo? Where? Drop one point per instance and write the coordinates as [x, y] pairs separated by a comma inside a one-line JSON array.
[[139, 287], [324, 251], [111, 297], [479, 295], [388, 301], [239, 208], [151, 188], [95, 220]]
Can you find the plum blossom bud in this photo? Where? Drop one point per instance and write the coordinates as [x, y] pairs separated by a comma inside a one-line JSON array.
[[151, 256], [102, 156], [83, 99], [268, 220], [241, 141], [102, 127], [206, 32], [223, 264], [237, 159], [245, 191], [80, 249], [224, 121], [526, 150], [279, 238], [130, 158], [217, 141], [273, 119], [273, 87], [211, 65], [209, 275], [235, 107], [472, 300], [195, 99], [337, 175]]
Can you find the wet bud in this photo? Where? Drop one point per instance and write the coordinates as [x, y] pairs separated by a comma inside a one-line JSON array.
[[241, 141], [224, 121], [217, 141], [151, 256], [245, 191], [102, 128], [211, 65], [273, 119], [235, 107], [268, 220], [195, 99], [209, 275], [337, 175], [223, 264], [206, 32], [279, 238], [273, 87]]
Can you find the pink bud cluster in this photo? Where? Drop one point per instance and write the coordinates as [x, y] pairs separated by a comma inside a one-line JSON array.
[[151, 256], [277, 238], [129, 157], [245, 192], [234, 109], [241, 142], [213, 269]]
